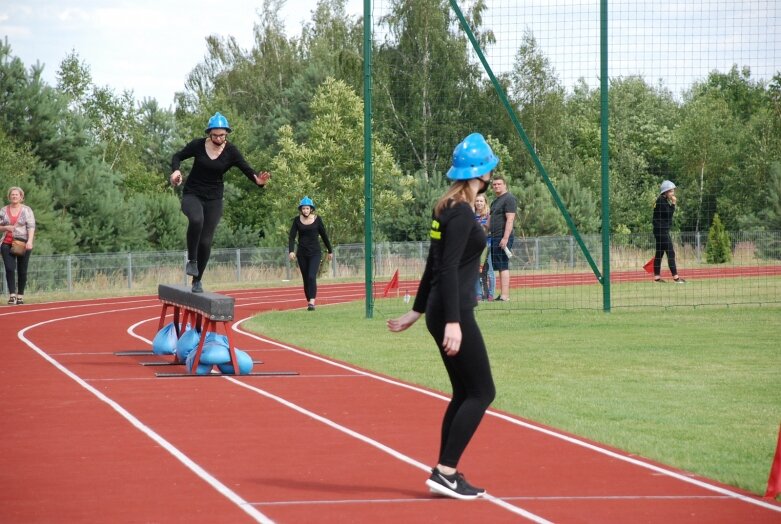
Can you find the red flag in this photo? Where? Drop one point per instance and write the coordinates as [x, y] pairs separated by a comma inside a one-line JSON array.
[[774, 481], [393, 284], [649, 266]]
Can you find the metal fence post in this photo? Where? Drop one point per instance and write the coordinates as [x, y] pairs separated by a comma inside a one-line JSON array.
[[536, 252], [238, 264], [130, 270], [70, 274]]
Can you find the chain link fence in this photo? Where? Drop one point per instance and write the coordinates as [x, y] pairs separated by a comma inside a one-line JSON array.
[[546, 272]]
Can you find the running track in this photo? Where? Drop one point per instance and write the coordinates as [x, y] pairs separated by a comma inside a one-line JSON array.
[[88, 436]]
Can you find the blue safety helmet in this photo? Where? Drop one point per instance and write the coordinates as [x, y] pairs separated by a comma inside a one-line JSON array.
[[218, 122], [306, 201], [472, 158]]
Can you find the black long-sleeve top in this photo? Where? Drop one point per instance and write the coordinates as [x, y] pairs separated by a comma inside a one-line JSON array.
[[448, 281], [206, 177], [308, 243], [663, 214]]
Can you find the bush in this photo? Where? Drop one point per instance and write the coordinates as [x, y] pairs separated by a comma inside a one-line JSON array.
[[719, 248]]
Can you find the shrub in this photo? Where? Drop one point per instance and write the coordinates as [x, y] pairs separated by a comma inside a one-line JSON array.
[[719, 249]]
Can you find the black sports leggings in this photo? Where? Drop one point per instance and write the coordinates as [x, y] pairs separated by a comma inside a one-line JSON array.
[[473, 385], [664, 244], [14, 264], [309, 265], [203, 216]]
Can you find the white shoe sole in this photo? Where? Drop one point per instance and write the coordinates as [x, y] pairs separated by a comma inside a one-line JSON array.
[[439, 489]]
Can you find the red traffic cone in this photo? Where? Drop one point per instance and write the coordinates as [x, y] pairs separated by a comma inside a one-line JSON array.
[[774, 481]]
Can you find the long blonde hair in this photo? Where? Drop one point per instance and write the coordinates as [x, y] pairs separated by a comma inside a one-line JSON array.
[[486, 210], [459, 191]]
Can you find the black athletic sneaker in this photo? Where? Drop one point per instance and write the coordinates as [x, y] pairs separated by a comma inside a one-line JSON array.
[[454, 486], [310, 307], [197, 287], [679, 280], [191, 268], [660, 281]]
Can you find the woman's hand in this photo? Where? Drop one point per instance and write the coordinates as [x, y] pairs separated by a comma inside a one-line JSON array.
[[291, 256], [176, 178], [330, 256], [262, 178], [403, 322], [451, 343]]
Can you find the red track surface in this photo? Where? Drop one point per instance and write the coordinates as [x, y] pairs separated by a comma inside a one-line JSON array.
[[88, 436]]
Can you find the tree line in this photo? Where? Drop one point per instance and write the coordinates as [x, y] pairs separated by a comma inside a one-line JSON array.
[[94, 163]]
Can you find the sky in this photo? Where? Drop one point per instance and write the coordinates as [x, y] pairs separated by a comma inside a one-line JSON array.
[[150, 46], [147, 46]]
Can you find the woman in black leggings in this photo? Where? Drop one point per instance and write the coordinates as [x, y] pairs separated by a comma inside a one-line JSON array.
[[307, 226], [203, 190], [446, 295], [662, 221]]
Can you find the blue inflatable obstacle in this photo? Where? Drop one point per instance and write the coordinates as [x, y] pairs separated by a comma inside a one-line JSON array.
[[245, 364], [202, 369], [164, 342], [216, 352], [186, 344]]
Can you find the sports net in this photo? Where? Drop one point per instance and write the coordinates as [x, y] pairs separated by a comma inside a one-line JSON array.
[[694, 98]]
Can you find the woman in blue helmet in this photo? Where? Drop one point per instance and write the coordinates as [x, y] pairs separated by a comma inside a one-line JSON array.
[[308, 226], [203, 190], [446, 295]]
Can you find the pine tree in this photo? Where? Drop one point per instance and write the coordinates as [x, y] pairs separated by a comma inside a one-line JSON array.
[[719, 249]]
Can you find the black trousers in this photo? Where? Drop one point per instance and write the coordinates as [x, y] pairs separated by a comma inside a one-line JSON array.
[[664, 244], [473, 385], [15, 266], [309, 266], [203, 217]]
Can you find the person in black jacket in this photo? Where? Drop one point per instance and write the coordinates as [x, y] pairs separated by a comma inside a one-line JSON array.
[[662, 222], [203, 190], [446, 294], [308, 226]]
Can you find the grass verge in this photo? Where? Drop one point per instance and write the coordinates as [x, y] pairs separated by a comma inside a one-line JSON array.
[[698, 389]]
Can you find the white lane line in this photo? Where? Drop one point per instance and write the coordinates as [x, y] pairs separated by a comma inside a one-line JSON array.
[[382, 447], [433, 499], [149, 432], [515, 421], [359, 436], [376, 444]]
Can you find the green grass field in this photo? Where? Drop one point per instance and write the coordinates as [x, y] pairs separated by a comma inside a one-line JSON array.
[[695, 388]]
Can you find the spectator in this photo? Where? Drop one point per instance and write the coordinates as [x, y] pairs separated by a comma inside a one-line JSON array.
[[17, 221], [503, 211], [662, 222], [487, 281]]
